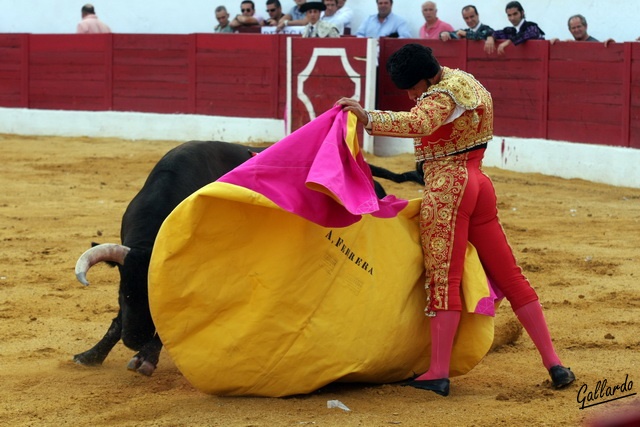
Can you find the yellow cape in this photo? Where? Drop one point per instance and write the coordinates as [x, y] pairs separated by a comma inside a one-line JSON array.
[[252, 300]]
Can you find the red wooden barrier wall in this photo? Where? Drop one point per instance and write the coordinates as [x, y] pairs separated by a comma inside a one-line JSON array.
[[70, 72], [330, 69], [238, 75], [518, 86], [579, 92], [152, 73], [634, 94], [14, 70], [588, 92]]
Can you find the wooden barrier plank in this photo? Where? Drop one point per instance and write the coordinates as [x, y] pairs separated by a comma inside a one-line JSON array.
[[223, 92], [150, 90], [63, 72], [150, 41], [587, 133], [150, 60], [11, 58], [151, 73], [583, 112], [634, 95], [514, 127], [518, 108], [593, 52], [12, 41], [510, 70], [246, 69], [79, 43], [150, 104], [85, 88], [576, 91], [219, 107], [69, 58], [154, 74], [586, 71], [71, 102]]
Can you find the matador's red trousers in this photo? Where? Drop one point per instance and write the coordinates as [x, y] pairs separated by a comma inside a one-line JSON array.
[[459, 205]]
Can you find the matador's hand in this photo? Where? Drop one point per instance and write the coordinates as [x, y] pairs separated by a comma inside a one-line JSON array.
[[349, 104]]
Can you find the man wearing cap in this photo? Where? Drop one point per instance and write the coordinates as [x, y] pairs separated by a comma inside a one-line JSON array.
[[316, 27]]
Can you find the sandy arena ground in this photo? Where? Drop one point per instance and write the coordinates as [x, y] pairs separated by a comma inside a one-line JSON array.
[[577, 242]]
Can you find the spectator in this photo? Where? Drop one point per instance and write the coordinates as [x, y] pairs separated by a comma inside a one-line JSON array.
[[316, 27], [248, 17], [384, 24], [90, 23], [274, 9], [330, 15], [521, 31], [433, 26], [578, 28], [295, 17], [346, 15], [475, 31], [224, 26]]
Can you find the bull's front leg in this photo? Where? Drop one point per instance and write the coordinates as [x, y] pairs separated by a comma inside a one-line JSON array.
[[99, 352], [146, 361]]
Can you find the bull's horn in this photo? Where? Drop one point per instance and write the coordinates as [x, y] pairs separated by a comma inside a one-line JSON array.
[[105, 252]]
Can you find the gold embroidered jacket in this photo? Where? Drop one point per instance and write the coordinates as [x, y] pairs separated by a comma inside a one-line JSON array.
[[434, 137]]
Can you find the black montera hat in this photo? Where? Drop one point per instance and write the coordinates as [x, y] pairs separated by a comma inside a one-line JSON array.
[[312, 5]]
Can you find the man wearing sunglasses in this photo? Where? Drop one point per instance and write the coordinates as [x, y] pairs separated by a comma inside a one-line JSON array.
[[274, 9], [248, 17]]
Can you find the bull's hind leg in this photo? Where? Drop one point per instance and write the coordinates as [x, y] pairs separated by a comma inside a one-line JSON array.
[[146, 361], [99, 352]]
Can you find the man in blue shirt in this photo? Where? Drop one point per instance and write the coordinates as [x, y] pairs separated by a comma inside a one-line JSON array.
[[384, 23]]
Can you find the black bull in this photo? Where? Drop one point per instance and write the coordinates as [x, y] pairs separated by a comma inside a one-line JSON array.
[[178, 174]]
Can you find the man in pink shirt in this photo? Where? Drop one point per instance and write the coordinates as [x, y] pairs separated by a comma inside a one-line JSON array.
[[90, 23], [433, 26]]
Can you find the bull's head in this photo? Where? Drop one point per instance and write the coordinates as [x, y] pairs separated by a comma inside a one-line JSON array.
[[137, 324]]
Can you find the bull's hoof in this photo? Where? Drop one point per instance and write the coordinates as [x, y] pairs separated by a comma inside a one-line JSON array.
[[147, 369], [88, 359], [140, 366]]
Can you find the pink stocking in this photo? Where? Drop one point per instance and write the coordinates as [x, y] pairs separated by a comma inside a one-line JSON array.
[[443, 330], [532, 318]]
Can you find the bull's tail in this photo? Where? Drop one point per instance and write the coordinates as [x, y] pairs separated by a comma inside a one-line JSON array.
[[412, 176]]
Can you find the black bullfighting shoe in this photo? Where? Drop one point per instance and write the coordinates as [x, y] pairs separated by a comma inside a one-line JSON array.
[[439, 386], [561, 376]]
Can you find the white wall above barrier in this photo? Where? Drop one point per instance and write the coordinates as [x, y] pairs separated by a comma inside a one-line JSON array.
[[178, 127], [603, 164], [597, 163]]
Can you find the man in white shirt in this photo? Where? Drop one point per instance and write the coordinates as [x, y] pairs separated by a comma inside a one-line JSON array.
[[330, 15], [248, 17], [384, 24], [345, 13]]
